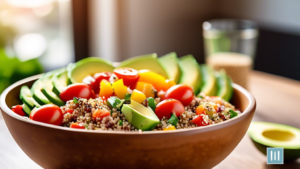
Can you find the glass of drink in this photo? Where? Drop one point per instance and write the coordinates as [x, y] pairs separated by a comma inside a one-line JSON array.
[[230, 44]]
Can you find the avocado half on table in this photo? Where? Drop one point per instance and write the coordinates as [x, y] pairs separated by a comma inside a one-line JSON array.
[[264, 134]]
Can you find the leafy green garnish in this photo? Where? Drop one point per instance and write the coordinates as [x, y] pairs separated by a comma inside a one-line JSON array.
[[75, 100], [114, 102], [127, 98], [200, 96], [173, 120], [120, 123], [151, 103], [233, 113]]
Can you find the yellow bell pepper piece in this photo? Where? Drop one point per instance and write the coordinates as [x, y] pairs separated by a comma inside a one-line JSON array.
[[146, 88], [138, 96], [119, 88], [170, 127], [157, 80], [106, 90]]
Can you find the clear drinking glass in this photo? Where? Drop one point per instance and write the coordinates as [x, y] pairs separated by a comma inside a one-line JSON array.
[[230, 44]]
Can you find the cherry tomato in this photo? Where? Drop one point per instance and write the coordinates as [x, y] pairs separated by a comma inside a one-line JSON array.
[[130, 76], [94, 82], [49, 113], [70, 111], [76, 126], [199, 121], [167, 107], [98, 78], [18, 110], [180, 92], [77, 90]]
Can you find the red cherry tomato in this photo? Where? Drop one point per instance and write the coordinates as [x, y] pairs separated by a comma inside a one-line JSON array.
[[49, 113], [18, 110], [77, 90], [94, 82], [181, 92], [89, 80], [167, 107], [76, 126], [130, 76], [98, 78], [199, 121]]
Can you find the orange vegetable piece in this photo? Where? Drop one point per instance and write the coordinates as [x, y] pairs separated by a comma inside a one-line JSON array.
[[100, 113], [158, 81], [106, 90], [200, 110], [77, 126], [146, 88], [171, 127]]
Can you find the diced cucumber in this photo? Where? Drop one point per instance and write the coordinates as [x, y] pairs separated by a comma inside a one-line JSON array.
[[26, 109], [47, 89], [27, 98], [60, 80]]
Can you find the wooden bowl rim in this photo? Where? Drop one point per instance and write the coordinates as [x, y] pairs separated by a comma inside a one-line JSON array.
[[250, 108]]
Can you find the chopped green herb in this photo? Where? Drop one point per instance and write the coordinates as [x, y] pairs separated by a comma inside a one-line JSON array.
[[120, 123], [113, 102], [201, 97], [233, 113], [173, 120], [151, 103], [86, 126], [127, 97], [75, 100]]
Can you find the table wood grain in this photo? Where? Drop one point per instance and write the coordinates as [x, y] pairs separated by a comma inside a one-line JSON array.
[[278, 100]]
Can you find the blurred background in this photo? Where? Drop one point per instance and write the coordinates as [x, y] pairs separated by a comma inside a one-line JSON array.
[[42, 35]]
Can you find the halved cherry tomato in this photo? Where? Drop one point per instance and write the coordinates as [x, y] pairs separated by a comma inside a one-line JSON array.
[[77, 90], [167, 107], [94, 82], [18, 110], [98, 78], [130, 76], [199, 121], [100, 113], [49, 113], [180, 92], [70, 111], [76, 126]]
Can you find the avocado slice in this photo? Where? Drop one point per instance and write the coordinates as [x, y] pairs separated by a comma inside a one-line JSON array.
[[264, 134], [26, 97], [190, 72], [60, 80], [37, 93], [88, 66], [209, 82], [224, 86], [170, 64], [139, 116], [149, 62], [48, 87]]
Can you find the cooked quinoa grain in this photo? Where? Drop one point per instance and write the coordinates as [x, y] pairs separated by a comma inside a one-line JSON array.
[[83, 112]]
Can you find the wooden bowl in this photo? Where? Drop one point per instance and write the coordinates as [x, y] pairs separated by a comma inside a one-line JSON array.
[[59, 147]]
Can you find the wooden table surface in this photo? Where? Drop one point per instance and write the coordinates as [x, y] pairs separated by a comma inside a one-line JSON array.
[[278, 100]]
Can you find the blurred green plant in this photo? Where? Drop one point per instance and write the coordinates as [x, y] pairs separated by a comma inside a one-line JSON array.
[[12, 69]]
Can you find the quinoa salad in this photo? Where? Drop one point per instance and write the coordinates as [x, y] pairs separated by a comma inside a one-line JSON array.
[[92, 94], [82, 111]]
